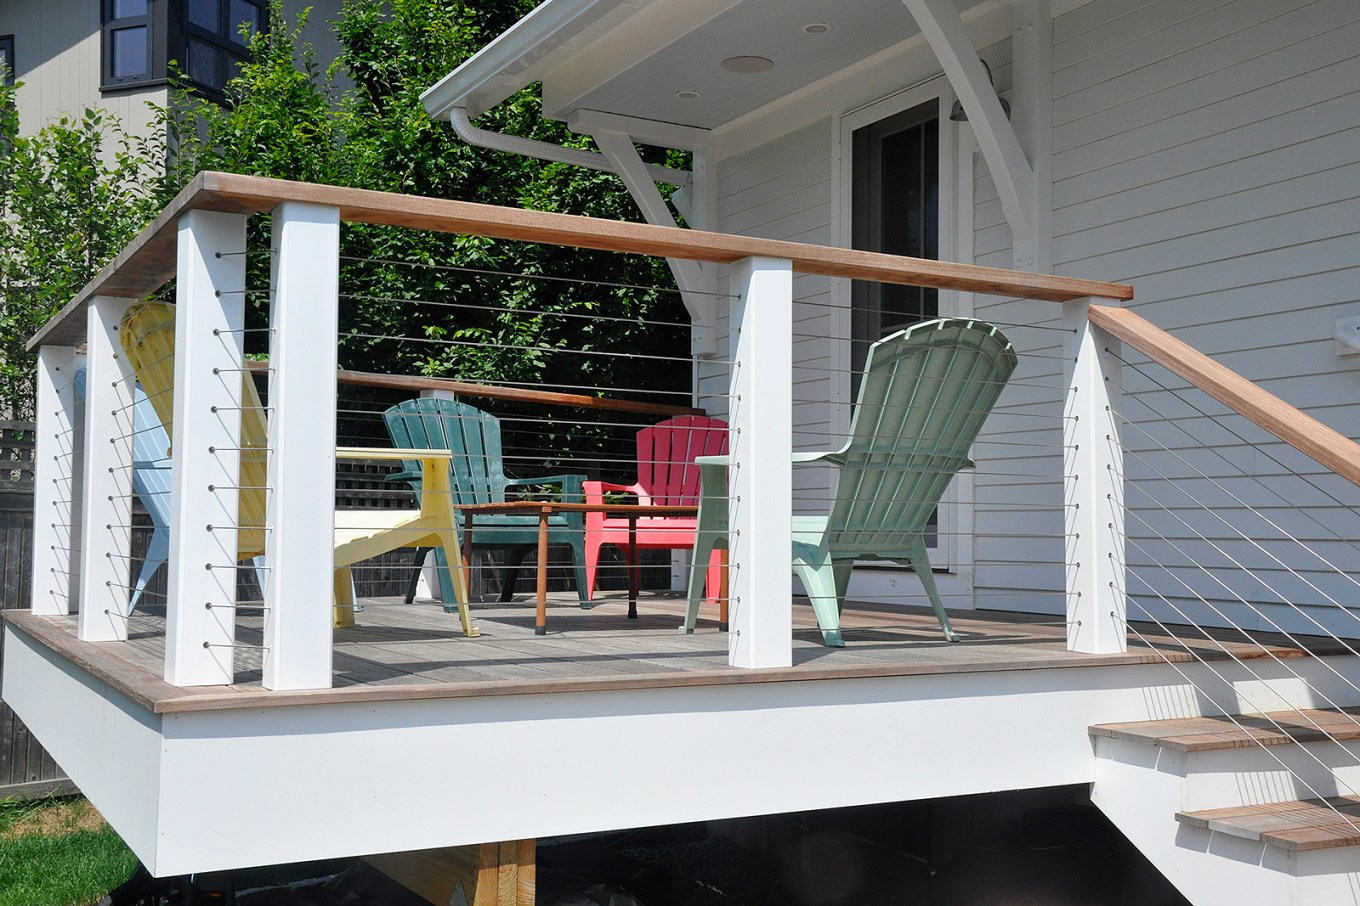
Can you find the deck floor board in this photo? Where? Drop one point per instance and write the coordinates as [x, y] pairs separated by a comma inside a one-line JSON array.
[[398, 651]]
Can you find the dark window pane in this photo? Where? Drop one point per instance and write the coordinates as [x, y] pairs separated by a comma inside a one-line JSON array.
[[242, 11], [205, 64], [123, 9], [204, 14], [129, 52]]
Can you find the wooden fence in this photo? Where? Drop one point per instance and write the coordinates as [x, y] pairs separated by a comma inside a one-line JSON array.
[[25, 767]]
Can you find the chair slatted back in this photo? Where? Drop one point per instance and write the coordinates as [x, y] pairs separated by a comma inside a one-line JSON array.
[[472, 435], [147, 335], [666, 453], [925, 394]]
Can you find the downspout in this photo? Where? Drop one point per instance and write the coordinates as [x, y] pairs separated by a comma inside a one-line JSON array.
[[528, 147]]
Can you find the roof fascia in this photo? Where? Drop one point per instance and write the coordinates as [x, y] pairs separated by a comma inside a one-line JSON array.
[[513, 60]]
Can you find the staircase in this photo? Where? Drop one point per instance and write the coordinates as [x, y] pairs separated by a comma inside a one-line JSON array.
[[1254, 809]]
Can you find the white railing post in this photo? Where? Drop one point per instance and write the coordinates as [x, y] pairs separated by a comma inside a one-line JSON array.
[[1093, 486], [761, 474], [106, 498], [301, 509], [55, 543], [205, 457]]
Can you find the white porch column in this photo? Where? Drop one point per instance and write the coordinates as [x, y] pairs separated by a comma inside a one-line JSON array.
[[205, 457], [1093, 484], [106, 501], [55, 543], [761, 475], [301, 508]]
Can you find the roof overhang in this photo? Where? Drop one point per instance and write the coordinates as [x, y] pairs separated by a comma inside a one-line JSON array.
[[663, 60]]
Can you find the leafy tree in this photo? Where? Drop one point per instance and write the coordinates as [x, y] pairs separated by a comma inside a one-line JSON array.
[[422, 302], [71, 196]]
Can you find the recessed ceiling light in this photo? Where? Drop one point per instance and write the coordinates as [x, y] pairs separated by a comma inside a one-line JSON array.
[[687, 95], [816, 28], [747, 64]]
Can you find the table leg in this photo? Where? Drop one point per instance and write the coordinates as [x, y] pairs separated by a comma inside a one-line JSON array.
[[467, 556], [722, 590], [541, 616], [634, 580]]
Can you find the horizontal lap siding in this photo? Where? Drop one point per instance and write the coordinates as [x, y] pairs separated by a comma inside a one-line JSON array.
[[1205, 151], [783, 191]]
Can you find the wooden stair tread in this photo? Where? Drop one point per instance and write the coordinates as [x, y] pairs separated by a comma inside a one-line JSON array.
[[1201, 734], [1296, 825]]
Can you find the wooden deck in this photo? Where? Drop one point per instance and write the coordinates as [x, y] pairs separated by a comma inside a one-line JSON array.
[[402, 652]]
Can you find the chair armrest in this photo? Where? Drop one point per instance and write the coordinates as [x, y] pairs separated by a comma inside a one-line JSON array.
[[722, 460], [832, 456], [403, 476], [595, 490], [571, 485]]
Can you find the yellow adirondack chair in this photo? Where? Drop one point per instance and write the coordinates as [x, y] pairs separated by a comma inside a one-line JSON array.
[[147, 335]]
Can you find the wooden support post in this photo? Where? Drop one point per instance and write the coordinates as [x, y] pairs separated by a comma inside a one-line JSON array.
[[490, 874], [55, 543], [1093, 483], [761, 472], [205, 459], [106, 501], [300, 513]]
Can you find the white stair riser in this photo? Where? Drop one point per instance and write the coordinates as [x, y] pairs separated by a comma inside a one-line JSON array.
[[1226, 778]]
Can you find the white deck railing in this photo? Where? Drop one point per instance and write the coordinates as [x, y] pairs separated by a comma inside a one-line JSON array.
[[199, 240]]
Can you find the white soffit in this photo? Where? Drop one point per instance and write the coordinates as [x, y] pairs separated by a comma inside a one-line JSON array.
[[636, 57]]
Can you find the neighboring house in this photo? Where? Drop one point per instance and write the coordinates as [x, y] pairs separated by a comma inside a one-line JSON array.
[[117, 54], [1202, 151]]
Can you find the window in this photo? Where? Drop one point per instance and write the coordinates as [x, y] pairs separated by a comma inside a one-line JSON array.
[[213, 39], [895, 209], [7, 58], [128, 44], [203, 37]]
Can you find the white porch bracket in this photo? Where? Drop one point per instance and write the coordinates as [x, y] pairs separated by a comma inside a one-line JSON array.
[[205, 460], [761, 473], [106, 498], [302, 395], [56, 545], [1093, 486], [695, 279], [944, 30]]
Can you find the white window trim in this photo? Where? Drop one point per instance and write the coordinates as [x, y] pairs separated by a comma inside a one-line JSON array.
[[955, 550]]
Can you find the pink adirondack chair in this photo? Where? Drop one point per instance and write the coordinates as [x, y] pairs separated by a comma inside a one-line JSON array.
[[667, 475]]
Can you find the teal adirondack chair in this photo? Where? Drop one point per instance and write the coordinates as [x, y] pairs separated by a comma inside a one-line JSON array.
[[925, 394], [478, 476]]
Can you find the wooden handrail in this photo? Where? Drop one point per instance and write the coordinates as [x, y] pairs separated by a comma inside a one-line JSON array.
[[1302, 432], [492, 391], [148, 262]]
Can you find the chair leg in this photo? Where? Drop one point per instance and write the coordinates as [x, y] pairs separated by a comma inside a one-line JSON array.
[[344, 597], [447, 583], [510, 576], [157, 552], [454, 590], [585, 589], [416, 567], [841, 569], [820, 582], [705, 546], [920, 562], [591, 555]]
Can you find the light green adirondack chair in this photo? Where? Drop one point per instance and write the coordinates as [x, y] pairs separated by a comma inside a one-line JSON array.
[[925, 394]]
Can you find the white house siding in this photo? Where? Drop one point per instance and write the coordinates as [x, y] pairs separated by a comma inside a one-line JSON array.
[[1206, 152], [783, 191]]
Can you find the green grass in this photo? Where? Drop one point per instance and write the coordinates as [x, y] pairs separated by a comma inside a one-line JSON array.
[[58, 852]]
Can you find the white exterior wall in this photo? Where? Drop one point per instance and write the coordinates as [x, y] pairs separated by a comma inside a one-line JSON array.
[[1204, 152]]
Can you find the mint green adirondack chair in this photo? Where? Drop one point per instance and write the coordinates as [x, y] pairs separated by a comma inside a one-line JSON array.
[[925, 394], [478, 476]]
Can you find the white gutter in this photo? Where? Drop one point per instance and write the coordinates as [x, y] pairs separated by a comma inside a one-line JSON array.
[[528, 147]]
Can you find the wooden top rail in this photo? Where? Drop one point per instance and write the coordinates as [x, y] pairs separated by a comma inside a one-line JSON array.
[[149, 260], [1302, 432], [494, 392]]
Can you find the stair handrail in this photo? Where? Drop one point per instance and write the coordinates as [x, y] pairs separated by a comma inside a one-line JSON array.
[[1324, 445]]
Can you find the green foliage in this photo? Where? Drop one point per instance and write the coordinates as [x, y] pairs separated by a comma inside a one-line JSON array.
[[410, 302], [49, 859], [71, 196]]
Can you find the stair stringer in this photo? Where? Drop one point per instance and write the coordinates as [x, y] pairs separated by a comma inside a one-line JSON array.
[[1141, 787]]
